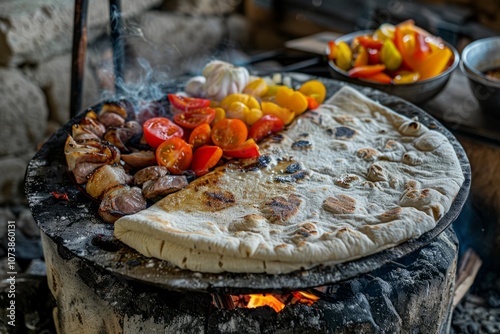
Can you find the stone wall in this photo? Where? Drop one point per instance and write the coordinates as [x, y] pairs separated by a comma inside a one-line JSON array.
[[172, 37]]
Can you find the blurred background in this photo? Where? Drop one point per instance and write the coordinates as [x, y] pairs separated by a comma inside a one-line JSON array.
[[167, 38]]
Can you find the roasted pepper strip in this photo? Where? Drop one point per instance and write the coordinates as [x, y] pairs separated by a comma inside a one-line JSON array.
[[373, 56], [422, 48], [380, 77], [370, 43], [366, 71]]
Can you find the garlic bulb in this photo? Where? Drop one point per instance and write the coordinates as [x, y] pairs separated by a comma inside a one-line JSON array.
[[195, 86], [223, 78]]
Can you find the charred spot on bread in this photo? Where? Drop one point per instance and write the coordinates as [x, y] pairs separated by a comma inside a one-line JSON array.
[[297, 176], [246, 165], [218, 199], [281, 209], [391, 214], [293, 167], [340, 204], [301, 145], [344, 132]]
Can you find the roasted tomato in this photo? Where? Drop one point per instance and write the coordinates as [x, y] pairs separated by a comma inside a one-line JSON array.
[[205, 158], [200, 136], [248, 149], [268, 124], [183, 103], [192, 118], [175, 154], [158, 129], [229, 133]]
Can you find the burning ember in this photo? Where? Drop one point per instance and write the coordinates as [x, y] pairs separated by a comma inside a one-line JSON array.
[[263, 300], [275, 301]]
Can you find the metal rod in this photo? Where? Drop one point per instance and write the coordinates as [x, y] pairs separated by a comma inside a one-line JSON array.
[[115, 12], [78, 56]]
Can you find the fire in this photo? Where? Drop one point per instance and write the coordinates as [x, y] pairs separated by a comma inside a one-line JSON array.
[[274, 300], [302, 295], [258, 300]]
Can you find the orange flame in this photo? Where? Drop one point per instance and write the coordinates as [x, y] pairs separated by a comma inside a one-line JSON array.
[[258, 300], [306, 295]]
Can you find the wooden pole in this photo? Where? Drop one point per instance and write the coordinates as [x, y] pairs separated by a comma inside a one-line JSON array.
[[78, 56]]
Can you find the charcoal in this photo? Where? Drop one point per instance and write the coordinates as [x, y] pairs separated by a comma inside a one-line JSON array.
[[298, 317], [493, 299], [225, 322]]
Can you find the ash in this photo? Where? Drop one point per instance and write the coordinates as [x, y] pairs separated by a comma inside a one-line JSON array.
[[478, 312]]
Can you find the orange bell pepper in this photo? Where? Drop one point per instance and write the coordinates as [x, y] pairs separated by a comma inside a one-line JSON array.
[[312, 103], [366, 71], [404, 48], [434, 63], [361, 58]]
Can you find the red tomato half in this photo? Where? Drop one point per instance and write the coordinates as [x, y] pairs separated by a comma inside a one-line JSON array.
[[248, 149], [158, 129], [184, 103], [175, 154], [205, 158], [229, 133], [266, 125], [200, 136], [192, 118]]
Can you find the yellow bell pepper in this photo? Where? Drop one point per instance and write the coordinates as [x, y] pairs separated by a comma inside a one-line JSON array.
[[390, 56], [257, 87], [248, 100], [315, 89], [292, 100], [344, 56], [270, 108]]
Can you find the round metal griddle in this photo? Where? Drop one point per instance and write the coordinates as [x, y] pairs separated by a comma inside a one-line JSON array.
[[78, 230]]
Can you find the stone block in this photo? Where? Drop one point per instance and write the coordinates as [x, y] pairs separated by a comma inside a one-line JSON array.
[[12, 171], [54, 77], [31, 31], [23, 113]]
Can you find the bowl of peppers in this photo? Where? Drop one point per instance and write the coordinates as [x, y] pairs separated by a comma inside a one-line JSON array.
[[402, 60]]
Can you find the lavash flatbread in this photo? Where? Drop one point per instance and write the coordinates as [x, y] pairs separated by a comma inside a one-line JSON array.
[[345, 181]]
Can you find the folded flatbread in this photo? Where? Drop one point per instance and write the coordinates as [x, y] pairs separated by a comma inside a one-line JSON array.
[[344, 181]]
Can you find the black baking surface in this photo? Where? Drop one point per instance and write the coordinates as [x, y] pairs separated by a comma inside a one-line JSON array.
[[78, 230]]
